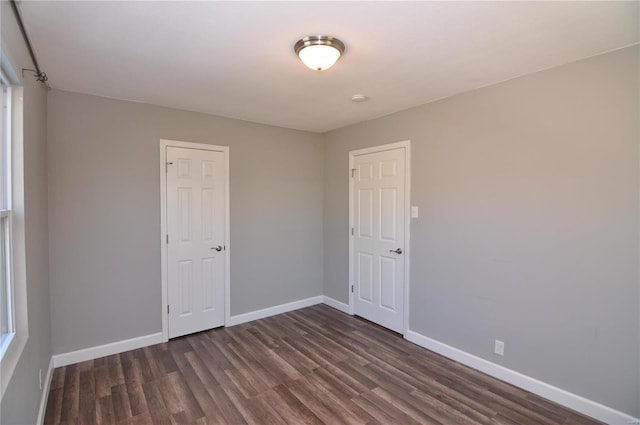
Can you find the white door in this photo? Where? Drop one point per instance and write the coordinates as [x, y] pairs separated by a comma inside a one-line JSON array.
[[196, 239], [378, 246]]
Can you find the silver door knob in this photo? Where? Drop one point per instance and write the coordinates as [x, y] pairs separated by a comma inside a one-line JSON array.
[[397, 251], [217, 248]]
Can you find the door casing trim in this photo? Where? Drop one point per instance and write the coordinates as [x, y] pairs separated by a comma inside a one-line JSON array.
[[406, 144], [164, 144]]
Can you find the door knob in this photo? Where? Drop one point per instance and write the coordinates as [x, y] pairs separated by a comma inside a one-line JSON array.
[[397, 251], [217, 248]]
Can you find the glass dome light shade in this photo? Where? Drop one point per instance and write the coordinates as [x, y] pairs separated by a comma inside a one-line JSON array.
[[319, 52], [319, 57]]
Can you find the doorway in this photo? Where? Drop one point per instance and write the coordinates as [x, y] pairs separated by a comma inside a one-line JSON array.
[[195, 237], [379, 242]]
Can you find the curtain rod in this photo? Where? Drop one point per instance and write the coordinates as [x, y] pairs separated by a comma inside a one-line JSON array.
[[40, 76]]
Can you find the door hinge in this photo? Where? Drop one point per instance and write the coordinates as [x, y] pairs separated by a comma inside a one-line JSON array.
[[167, 308], [353, 172], [166, 166], [167, 238], [352, 231], [352, 288]]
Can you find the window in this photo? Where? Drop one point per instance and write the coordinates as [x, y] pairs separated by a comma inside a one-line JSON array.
[[14, 326], [7, 328]]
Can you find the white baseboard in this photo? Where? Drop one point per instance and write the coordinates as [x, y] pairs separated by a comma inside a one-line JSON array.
[[106, 349], [338, 305], [272, 311], [45, 393], [144, 341], [555, 394]]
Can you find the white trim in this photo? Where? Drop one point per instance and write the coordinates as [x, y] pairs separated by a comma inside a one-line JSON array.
[[406, 144], [45, 393], [10, 360], [17, 266], [338, 305], [163, 228], [272, 311], [555, 394], [106, 349]]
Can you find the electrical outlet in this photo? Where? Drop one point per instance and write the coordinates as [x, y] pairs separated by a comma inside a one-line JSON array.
[[40, 375], [499, 347]]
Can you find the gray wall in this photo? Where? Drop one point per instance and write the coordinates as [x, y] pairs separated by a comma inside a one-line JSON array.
[[21, 400], [104, 214], [528, 228]]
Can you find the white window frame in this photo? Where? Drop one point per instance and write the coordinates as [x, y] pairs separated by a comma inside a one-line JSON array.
[[5, 169], [13, 346]]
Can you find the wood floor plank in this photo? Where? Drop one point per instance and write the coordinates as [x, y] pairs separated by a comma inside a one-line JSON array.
[[205, 365], [120, 401], [336, 400], [379, 414], [137, 401], [264, 336], [155, 404], [87, 397], [308, 396], [311, 366], [393, 409], [304, 361], [242, 372], [188, 400], [103, 381], [129, 371], [294, 411], [190, 390], [443, 408], [171, 401], [168, 361], [263, 414], [57, 380], [71, 396], [267, 358], [114, 365], [105, 414], [54, 406], [302, 345], [143, 369], [250, 366], [228, 408], [239, 383]]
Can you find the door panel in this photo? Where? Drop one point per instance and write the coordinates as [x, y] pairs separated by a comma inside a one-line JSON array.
[[365, 276], [185, 285], [388, 283], [379, 226], [195, 227], [388, 220], [184, 214], [365, 219]]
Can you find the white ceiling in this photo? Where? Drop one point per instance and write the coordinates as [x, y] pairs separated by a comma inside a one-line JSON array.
[[236, 59]]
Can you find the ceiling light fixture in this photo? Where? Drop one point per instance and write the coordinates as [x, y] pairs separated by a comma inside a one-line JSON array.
[[319, 52]]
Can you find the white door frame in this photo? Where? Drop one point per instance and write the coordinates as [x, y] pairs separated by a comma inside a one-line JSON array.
[[163, 227], [407, 222]]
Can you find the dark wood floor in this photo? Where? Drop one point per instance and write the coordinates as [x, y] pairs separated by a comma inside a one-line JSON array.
[[311, 366]]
